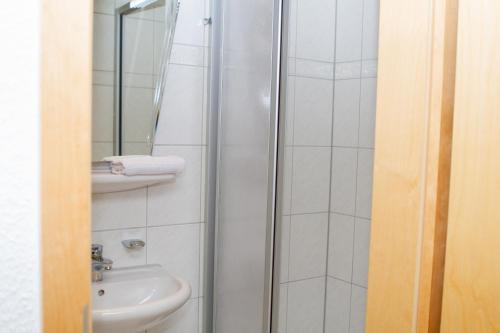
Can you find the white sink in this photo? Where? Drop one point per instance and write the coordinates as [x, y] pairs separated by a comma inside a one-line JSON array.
[[131, 300]]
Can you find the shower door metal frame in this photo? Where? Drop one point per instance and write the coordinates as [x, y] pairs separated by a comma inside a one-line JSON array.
[[280, 157], [213, 158]]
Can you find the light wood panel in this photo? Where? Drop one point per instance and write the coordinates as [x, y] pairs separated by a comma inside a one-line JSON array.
[[471, 301], [411, 170], [442, 93], [66, 107]]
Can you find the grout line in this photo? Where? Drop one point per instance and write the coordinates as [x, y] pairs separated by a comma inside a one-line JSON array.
[[357, 172], [148, 226], [334, 62], [330, 179], [334, 146], [174, 225], [347, 282], [119, 229], [184, 145], [306, 213], [304, 279]]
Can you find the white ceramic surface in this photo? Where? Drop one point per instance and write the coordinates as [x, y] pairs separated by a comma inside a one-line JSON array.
[[107, 183], [135, 299]]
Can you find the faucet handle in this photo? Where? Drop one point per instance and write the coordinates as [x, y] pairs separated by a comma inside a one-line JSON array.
[[96, 251]]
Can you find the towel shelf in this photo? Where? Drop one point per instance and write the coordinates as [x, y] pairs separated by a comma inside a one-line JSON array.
[[108, 183]]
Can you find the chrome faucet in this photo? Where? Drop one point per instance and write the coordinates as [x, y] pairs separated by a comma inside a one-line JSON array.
[[99, 263]]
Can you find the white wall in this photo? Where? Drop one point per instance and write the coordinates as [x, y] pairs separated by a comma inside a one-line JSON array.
[[20, 168], [330, 117], [170, 218]]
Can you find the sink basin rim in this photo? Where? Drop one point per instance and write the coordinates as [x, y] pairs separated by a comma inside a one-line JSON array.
[[175, 301]]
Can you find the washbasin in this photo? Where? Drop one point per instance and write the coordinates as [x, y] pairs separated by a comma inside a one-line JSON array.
[[131, 300]]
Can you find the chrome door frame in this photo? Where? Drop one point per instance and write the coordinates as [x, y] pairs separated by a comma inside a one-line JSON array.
[[279, 31]]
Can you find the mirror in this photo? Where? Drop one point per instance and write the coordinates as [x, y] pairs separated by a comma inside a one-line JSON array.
[[143, 38]]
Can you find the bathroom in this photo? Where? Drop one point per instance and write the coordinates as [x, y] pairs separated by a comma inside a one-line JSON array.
[[267, 166]]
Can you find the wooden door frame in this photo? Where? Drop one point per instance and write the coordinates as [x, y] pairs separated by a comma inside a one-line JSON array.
[[66, 67], [472, 272], [417, 52]]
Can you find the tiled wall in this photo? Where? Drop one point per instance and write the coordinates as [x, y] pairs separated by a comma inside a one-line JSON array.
[[330, 116], [170, 218]]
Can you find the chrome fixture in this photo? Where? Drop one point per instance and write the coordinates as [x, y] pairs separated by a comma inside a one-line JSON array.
[[133, 243], [141, 3], [99, 263]]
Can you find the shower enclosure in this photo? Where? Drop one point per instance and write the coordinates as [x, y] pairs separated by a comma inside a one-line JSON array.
[[290, 155]]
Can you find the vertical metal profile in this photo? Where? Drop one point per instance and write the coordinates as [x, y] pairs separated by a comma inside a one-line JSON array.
[[274, 162], [280, 157], [245, 83], [211, 172]]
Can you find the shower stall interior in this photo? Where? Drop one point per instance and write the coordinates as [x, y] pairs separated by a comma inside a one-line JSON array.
[[290, 159]]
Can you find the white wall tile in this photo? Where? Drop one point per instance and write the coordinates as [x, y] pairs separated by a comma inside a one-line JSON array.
[[203, 181], [187, 55], [343, 188], [349, 30], [348, 70], [138, 46], [182, 109], [101, 150], [346, 113], [369, 68], [315, 69], [308, 246], [119, 210], [104, 6], [138, 80], [190, 28], [205, 106], [291, 66], [113, 248], [103, 78], [177, 249], [370, 29], [184, 320], [311, 179], [102, 113], [361, 252], [316, 29], [292, 28], [313, 112], [306, 301], [286, 193], [136, 148], [364, 183], [340, 248], [338, 301], [290, 110], [367, 113], [104, 42], [285, 248], [358, 310], [202, 260], [137, 114], [177, 202]]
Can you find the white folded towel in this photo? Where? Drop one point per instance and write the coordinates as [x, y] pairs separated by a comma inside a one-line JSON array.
[[133, 165]]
